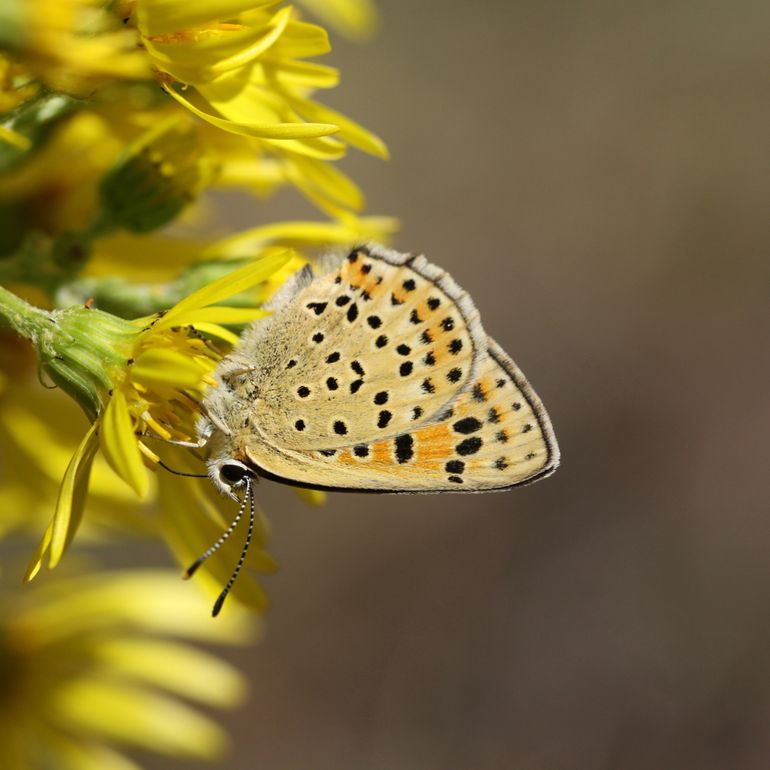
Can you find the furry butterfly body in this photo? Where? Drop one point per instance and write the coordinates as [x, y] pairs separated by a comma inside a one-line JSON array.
[[376, 376]]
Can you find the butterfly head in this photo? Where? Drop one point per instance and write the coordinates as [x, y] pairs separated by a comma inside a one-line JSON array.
[[229, 475]]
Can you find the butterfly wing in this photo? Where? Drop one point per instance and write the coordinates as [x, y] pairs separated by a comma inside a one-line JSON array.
[[494, 435], [379, 345]]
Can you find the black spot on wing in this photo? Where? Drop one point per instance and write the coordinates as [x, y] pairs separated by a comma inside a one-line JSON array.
[[478, 393], [467, 425], [404, 448], [317, 307], [469, 446]]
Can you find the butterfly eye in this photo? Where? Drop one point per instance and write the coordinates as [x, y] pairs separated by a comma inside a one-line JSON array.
[[233, 472]]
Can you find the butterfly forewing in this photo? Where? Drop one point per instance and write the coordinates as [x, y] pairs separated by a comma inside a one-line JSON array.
[[378, 376], [378, 346]]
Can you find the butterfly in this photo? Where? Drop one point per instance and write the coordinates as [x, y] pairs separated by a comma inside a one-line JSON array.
[[377, 376]]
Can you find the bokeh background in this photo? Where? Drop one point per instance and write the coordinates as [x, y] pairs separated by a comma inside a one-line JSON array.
[[596, 174]]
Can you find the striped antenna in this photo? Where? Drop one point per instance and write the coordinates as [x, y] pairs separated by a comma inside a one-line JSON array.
[[190, 571], [221, 600]]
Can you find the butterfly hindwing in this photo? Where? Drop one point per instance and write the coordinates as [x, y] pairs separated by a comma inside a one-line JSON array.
[[495, 435]]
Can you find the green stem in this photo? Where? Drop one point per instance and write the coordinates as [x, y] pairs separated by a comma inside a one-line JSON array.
[[26, 320]]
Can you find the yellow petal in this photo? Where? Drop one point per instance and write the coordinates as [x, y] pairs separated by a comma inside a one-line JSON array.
[[76, 755], [227, 286], [221, 315], [72, 496], [199, 60], [356, 20], [176, 667], [217, 331], [152, 601], [134, 715], [160, 17], [159, 367], [301, 41], [36, 562], [312, 175], [258, 130], [350, 131], [119, 444], [312, 497], [299, 234], [305, 74]]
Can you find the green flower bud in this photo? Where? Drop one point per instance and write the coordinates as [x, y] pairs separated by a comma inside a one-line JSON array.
[[84, 351], [155, 178]]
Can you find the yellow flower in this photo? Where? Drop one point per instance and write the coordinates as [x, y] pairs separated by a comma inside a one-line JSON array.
[[71, 45], [243, 67], [135, 380], [242, 62], [95, 663], [37, 437]]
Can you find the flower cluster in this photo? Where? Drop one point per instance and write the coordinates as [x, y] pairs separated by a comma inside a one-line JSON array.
[[105, 658], [116, 305]]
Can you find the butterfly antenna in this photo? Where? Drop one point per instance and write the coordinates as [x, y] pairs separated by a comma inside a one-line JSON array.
[[221, 600], [190, 571], [182, 473]]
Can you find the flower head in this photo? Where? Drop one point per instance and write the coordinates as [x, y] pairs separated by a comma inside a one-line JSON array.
[[137, 380], [94, 663]]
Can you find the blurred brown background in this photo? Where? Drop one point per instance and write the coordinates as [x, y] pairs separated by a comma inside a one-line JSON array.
[[596, 174]]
